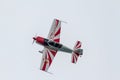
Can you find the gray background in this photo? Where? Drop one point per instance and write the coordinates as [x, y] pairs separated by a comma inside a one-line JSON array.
[[94, 22]]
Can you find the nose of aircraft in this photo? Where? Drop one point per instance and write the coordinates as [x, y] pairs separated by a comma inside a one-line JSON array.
[[39, 40], [34, 38]]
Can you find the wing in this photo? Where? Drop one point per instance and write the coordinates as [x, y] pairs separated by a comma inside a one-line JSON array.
[[47, 58], [54, 33]]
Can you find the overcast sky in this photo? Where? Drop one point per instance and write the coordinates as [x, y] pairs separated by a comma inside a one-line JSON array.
[[96, 23]]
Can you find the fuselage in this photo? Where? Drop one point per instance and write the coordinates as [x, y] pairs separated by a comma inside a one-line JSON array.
[[52, 44]]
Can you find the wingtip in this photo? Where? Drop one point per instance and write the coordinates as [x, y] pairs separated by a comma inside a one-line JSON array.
[[46, 71], [60, 20]]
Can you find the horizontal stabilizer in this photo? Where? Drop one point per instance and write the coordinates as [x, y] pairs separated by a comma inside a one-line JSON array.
[[77, 51]]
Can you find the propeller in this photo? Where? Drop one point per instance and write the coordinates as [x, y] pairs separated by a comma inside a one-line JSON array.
[[34, 38]]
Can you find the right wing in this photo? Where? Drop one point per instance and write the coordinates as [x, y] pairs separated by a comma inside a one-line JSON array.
[[47, 58], [54, 33]]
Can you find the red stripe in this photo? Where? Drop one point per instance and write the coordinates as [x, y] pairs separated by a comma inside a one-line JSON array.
[[57, 21], [44, 66], [77, 54], [77, 43], [53, 52], [79, 46], [49, 58], [58, 32], [45, 63], [56, 40], [73, 58]]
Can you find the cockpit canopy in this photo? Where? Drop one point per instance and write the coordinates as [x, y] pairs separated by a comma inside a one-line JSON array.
[[54, 44]]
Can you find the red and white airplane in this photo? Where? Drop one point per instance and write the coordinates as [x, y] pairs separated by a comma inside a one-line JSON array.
[[51, 46]]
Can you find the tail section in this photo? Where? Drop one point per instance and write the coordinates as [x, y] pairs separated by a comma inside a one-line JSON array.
[[77, 51]]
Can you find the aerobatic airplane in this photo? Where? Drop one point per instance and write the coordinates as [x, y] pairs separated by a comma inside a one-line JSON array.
[[51, 46]]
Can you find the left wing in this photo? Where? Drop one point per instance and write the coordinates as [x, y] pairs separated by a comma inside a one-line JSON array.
[[47, 58], [54, 33]]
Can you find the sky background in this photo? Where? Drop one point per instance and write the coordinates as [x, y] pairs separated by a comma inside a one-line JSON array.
[[96, 23]]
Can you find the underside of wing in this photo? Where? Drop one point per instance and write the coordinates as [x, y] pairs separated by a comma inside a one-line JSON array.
[[55, 30], [47, 58]]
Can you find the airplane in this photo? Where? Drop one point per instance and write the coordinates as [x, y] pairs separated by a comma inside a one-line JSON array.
[[52, 45]]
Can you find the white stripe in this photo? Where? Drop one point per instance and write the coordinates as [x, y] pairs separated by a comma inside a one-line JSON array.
[[43, 59], [51, 55], [47, 65], [74, 59], [57, 37]]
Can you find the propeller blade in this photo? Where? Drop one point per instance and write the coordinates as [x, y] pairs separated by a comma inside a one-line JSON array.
[[33, 41], [34, 38]]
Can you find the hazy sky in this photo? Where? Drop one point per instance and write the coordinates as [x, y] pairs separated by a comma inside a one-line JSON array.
[[96, 23]]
